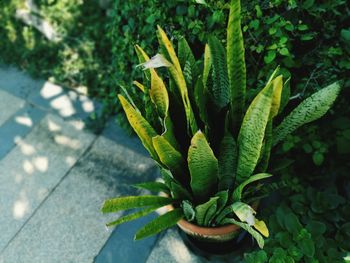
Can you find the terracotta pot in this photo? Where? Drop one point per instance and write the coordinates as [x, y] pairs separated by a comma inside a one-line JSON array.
[[210, 234]]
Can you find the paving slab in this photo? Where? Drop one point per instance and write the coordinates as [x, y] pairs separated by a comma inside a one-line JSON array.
[[17, 82], [171, 249], [121, 246], [69, 226], [51, 97], [18, 126], [116, 133], [9, 106], [34, 167]]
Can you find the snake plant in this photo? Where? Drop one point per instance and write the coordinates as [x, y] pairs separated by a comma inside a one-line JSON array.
[[211, 144]]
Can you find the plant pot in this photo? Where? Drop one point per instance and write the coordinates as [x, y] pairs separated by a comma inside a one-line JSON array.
[[214, 240], [218, 250]]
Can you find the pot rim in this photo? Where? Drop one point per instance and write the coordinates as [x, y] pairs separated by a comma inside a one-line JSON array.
[[209, 231]]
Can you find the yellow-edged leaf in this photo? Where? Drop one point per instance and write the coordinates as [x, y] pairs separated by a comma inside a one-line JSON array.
[[261, 227], [170, 157], [142, 128], [159, 94], [277, 84], [252, 132], [139, 85], [203, 167], [167, 45]]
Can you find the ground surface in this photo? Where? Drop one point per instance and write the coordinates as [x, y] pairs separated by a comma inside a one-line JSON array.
[[55, 174]]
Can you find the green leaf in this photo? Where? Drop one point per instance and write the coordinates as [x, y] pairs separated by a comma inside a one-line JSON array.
[[203, 167], [210, 214], [207, 65], [256, 257], [187, 61], [132, 216], [264, 158], [307, 111], [159, 94], [244, 212], [160, 223], [252, 132], [170, 157], [143, 57], [201, 210], [318, 158], [142, 128], [284, 51], [291, 223], [221, 202], [270, 56], [178, 76], [219, 91], [236, 62], [179, 192], [129, 202], [189, 212], [200, 97], [237, 194], [249, 229], [227, 162], [154, 187]]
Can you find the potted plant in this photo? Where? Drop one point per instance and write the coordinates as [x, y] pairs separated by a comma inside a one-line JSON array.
[[211, 149]]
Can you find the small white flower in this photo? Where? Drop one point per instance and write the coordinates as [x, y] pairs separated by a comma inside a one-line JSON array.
[[156, 61]]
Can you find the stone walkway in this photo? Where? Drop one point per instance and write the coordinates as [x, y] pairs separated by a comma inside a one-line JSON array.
[[54, 176]]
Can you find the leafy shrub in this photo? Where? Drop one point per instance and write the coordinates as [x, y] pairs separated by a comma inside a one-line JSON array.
[[311, 226]]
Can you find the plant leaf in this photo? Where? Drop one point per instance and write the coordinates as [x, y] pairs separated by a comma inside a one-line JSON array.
[[312, 108], [201, 210], [187, 61], [177, 74], [189, 212], [207, 65], [244, 212], [249, 229], [220, 89], [221, 202], [139, 85], [143, 57], [159, 94], [179, 192], [160, 223], [129, 202], [142, 128], [210, 214], [132, 216], [203, 167], [277, 84], [200, 98], [265, 150], [227, 162], [170, 157], [236, 62], [252, 132], [261, 227], [237, 194]]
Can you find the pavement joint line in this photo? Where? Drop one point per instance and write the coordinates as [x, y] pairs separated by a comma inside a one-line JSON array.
[[51, 191], [159, 238]]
